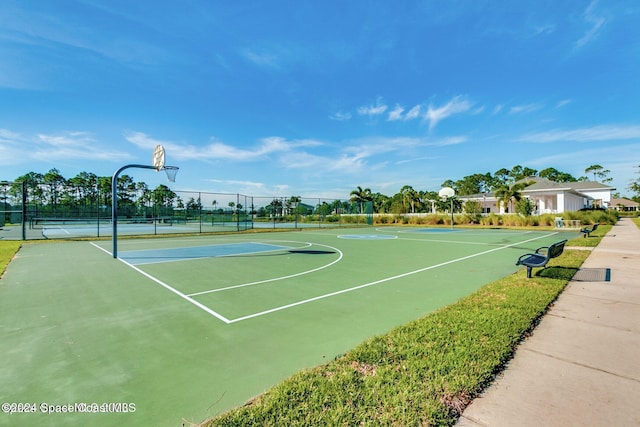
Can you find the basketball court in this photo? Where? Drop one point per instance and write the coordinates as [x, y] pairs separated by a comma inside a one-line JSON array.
[[189, 327]]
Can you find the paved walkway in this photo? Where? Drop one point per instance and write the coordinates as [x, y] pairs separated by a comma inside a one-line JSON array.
[[581, 366]]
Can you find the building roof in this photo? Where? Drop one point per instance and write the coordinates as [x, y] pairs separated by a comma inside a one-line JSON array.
[[624, 202], [543, 184], [590, 185]]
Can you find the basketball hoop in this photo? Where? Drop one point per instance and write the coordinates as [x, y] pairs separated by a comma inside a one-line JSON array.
[[446, 193], [171, 172], [158, 164]]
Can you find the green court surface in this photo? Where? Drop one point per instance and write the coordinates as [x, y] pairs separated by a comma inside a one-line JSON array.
[[184, 328]]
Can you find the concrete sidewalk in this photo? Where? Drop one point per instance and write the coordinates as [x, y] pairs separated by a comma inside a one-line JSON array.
[[581, 366]]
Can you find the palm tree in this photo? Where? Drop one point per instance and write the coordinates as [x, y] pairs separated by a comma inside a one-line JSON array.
[[410, 197], [507, 194], [360, 195], [381, 202]]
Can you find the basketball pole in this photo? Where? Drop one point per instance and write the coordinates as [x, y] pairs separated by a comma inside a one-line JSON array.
[[114, 204], [448, 193], [451, 212]]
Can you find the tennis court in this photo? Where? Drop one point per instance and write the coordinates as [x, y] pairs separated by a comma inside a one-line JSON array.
[[64, 228], [188, 327]]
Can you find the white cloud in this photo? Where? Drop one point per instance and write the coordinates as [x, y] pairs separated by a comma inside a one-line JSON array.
[[12, 146], [452, 140], [303, 160], [417, 159], [595, 22], [497, 109], [258, 185], [348, 163], [544, 29], [414, 113], [143, 140], [596, 133], [526, 108], [264, 58], [71, 139], [67, 146], [562, 103], [455, 106], [7, 135], [72, 146], [217, 150], [396, 113], [340, 116], [373, 110]]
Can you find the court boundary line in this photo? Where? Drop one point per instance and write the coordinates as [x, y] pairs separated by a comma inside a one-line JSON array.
[[275, 278], [319, 297], [453, 242], [376, 282], [170, 288], [280, 248], [473, 231]]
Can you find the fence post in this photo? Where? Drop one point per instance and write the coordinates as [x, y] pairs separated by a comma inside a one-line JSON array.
[[24, 210], [200, 209]]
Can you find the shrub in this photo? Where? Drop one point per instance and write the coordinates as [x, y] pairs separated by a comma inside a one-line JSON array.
[[491, 220], [473, 211], [382, 219], [524, 207]]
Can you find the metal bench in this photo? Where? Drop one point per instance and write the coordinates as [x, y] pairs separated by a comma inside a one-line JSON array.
[[541, 256], [586, 231]]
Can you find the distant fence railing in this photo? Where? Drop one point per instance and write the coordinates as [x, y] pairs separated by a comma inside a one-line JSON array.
[[78, 212]]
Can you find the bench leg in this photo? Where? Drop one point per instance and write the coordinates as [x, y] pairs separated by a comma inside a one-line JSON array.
[[529, 272]]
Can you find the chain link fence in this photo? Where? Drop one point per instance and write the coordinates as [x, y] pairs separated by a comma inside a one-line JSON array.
[[67, 211]]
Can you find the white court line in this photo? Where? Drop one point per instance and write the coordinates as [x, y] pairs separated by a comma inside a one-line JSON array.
[[278, 249], [64, 230], [175, 291], [455, 242], [475, 232], [275, 278], [284, 307]]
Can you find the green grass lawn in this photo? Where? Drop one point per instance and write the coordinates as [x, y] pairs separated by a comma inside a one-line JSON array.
[[8, 249], [593, 239]]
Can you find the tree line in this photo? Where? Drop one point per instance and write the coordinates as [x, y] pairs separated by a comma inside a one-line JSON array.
[[85, 192], [505, 184], [88, 191]]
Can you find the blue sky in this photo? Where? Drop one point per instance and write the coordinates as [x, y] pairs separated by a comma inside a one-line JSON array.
[[314, 98]]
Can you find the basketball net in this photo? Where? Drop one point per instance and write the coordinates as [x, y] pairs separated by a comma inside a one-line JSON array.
[[158, 164], [171, 172]]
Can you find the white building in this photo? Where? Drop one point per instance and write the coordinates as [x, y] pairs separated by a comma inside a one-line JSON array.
[[552, 197]]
